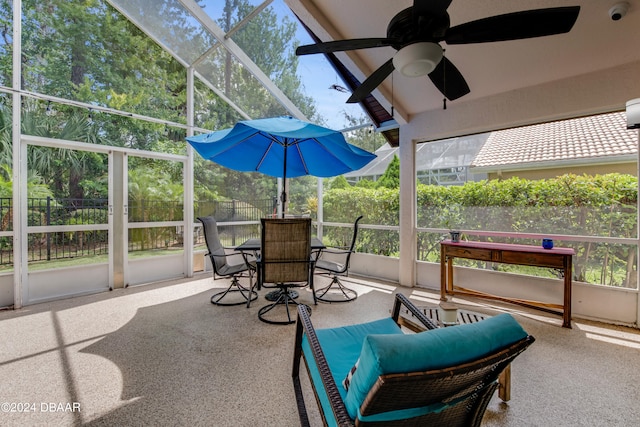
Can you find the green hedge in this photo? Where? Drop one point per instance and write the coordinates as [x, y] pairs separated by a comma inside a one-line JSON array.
[[602, 205]]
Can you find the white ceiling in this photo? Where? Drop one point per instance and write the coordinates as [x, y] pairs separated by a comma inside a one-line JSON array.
[[593, 68]]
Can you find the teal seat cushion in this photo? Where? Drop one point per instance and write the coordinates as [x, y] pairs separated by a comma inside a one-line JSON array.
[[433, 349], [341, 347]]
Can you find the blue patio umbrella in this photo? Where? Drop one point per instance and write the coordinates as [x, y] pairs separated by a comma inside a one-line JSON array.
[[282, 147]]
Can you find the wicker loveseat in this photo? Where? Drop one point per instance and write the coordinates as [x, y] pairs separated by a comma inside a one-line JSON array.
[[442, 376]]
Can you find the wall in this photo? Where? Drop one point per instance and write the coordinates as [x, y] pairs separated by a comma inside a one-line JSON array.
[[154, 269]]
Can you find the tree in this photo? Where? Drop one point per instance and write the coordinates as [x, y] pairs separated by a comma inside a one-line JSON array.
[[339, 182], [366, 183], [391, 177]]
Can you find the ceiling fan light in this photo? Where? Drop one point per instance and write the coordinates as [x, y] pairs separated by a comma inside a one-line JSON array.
[[633, 114], [418, 59]]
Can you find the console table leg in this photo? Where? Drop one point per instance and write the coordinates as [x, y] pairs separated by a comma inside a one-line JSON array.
[[450, 275], [443, 276], [568, 273]]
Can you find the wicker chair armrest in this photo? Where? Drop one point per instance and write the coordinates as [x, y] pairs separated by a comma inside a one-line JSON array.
[[401, 301], [305, 326]]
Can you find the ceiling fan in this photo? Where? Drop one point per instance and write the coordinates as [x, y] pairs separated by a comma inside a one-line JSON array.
[[417, 31]]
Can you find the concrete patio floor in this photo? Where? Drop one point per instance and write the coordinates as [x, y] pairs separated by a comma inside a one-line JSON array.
[[162, 354]]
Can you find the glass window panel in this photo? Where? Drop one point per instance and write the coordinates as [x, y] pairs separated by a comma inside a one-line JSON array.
[[94, 55], [170, 24], [561, 198], [66, 188], [377, 242], [155, 190]]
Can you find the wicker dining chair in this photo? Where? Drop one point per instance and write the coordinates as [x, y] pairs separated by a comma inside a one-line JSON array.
[[285, 262], [374, 374], [230, 265], [337, 265]]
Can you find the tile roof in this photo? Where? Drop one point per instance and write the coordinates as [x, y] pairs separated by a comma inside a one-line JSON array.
[[601, 137]]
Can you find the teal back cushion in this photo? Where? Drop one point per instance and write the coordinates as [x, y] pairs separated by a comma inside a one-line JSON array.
[[433, 349]]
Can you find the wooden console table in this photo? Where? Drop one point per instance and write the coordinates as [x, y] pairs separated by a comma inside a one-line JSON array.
[[560, 258]]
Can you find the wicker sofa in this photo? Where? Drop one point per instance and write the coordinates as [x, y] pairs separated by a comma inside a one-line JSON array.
[[442, 376]]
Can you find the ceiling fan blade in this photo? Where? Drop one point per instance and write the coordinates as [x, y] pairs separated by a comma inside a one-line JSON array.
[[515, 26], [449, 80], [371, 82], [430, 7], [342, 45]]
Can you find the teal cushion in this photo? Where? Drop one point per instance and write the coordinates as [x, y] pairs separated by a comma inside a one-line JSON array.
[[341, 347], [433, 349]]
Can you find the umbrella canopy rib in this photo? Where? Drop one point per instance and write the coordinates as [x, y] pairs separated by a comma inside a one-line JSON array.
[[302, 160], [265, 154]]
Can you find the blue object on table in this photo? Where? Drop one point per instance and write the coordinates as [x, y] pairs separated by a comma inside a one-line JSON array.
[[547, 243]]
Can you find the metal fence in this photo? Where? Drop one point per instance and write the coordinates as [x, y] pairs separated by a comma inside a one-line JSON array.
[[50, 211], [74, 244], [235, 210]]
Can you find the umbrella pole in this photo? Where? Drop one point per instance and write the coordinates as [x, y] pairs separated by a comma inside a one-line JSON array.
[[283, 196]]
